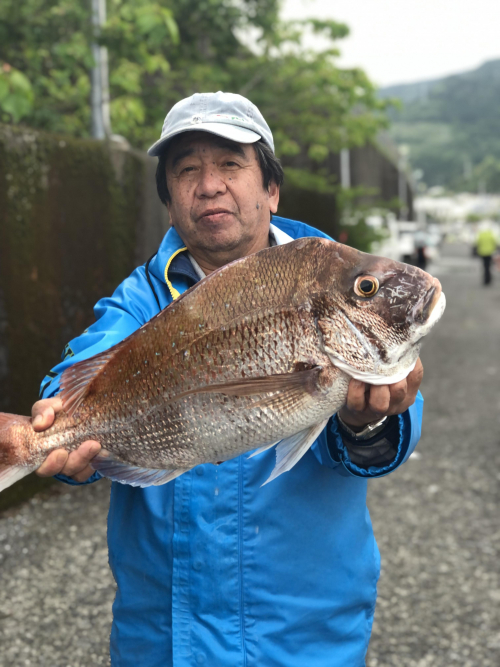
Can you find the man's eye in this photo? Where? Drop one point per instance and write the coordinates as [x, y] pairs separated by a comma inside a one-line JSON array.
[[231, 163], [187, 169]]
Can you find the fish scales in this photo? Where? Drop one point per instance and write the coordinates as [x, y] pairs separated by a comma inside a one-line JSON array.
[[249, 356]]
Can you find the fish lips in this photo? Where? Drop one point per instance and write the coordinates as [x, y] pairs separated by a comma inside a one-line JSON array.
[[424, 307]]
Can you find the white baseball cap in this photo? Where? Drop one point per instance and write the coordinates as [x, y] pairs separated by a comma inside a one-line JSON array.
[[225, 114]]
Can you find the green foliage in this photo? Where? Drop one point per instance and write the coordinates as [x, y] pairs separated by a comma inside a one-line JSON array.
[[319, 181], [16, 94], [358, 234], [484, 177], [354, 229], [48, 41], [160, 52]]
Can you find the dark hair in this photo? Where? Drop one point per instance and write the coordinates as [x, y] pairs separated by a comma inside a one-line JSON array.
[[270, 166]]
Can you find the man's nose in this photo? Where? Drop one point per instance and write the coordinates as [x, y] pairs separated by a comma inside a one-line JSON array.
[[210, 183]]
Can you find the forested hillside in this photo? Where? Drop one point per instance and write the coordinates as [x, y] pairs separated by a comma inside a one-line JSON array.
[[452, 127]]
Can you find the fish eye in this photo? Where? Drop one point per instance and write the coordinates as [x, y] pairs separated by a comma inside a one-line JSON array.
[[366, 286]]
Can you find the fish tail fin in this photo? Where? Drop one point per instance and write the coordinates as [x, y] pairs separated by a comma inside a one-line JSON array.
[[11, 449]]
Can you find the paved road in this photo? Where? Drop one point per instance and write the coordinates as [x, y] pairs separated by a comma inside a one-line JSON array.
[[436, 521]]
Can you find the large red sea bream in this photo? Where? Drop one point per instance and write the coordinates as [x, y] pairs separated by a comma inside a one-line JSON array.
[[258, 353]]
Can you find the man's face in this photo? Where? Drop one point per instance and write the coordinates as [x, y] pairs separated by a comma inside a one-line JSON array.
[[218, 203]]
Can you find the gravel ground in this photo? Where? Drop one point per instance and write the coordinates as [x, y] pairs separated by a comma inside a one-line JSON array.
[[436, 521], [437, 518], [56, 588]]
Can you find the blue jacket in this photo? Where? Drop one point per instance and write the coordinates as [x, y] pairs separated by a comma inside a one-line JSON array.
[[214, 570]]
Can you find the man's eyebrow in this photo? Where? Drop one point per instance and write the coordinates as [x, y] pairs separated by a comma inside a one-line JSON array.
[[232, 146], [181, 155]]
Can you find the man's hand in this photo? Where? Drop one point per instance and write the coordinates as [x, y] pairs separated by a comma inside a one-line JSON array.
[[74, 465], [367, 404]]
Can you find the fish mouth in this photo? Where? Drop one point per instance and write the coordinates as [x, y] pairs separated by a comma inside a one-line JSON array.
[[424, 307]]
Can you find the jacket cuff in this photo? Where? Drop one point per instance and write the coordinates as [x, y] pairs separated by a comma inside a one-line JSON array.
[[72, 482], [380, 450], [386, 458]]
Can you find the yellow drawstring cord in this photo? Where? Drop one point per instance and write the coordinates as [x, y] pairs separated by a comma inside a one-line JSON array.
[[172, 289]]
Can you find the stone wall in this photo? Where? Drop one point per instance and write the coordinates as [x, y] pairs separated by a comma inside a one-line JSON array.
[[75, 218]]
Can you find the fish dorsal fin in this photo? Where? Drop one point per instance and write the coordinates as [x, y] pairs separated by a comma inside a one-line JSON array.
[[125, 473], [76, 380]]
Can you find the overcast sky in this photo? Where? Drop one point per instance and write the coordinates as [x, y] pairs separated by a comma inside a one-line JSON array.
[[399, 41]]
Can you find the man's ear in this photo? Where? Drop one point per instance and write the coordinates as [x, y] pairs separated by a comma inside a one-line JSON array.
[[274, 196], [168, 204]]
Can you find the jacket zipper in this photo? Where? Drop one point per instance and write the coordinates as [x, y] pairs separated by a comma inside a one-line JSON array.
[[240, 558]]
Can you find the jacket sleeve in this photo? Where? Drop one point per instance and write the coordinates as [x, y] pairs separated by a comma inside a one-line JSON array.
[[331, 450], [131, 305]]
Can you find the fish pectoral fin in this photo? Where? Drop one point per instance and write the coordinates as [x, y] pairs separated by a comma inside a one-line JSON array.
[[264, 448], [292, 449], [305, 380], [11, 474], [118, 471]]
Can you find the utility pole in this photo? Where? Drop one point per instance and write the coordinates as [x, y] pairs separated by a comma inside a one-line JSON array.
[[402, 182], [101, 125], [345, 168]]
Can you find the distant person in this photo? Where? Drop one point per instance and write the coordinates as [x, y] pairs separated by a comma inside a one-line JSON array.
[[486, 245], [420, 250], [421, 258]]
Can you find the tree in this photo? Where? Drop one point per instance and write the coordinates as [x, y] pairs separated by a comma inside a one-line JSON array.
[[162, 51], [485, 177]]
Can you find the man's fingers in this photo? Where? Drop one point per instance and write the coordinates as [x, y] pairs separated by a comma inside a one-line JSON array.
[[379, 399], [356, 398], [415, 377], [398, 392], [53, 464], [368, 403], [80, 458], [413, 381], [71, 465], [44, 419], [43, 413]]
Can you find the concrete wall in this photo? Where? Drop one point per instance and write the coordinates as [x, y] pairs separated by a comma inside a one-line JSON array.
[[372, 168]]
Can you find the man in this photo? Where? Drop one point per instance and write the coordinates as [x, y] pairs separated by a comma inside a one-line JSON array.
[[486, 245], [212, 569]]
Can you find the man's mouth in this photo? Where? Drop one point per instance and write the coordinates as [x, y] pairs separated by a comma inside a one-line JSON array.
[[214, 214]]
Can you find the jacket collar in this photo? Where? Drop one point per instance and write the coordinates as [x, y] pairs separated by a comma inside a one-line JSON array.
[[172, 257]]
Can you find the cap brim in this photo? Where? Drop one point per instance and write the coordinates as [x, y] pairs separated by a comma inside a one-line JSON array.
[[239, 134]]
